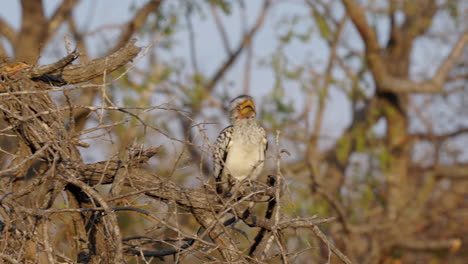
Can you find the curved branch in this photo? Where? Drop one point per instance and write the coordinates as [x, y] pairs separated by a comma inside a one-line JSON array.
[[136, 23], [7, 31], [59, 16], [245, 41], [385, 81], [358, 16], [46, 69], [87, 71], [113, 226], [434, 85], [95, 68]]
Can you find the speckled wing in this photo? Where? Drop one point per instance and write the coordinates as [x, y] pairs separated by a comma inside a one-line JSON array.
[[221, 149], [265, 140]]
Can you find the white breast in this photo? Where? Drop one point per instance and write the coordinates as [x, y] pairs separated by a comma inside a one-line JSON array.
[[246, 153], [244, 161]]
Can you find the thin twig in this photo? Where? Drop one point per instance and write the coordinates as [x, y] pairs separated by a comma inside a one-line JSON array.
[[333, 248]]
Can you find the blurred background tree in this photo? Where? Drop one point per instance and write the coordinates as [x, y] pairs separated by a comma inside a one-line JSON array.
[[370, 98]]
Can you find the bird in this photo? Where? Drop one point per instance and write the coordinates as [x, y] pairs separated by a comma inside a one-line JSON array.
[[240, 148]]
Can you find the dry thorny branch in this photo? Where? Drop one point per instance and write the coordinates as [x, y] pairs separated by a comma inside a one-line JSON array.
[[48, 167]]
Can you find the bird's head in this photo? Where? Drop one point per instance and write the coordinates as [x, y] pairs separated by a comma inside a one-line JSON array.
[[242, 107]]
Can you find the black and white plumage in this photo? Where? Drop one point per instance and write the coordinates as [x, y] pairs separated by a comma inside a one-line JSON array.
[[239, 151]]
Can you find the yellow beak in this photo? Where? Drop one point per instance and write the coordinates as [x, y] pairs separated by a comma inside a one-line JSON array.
[[247, 107]]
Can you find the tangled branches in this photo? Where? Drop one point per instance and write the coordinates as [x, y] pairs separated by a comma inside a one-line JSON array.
[[53, 207]]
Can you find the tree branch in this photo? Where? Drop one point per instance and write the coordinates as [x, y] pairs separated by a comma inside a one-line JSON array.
[[453, 172], [434, 85], [332, 247], [87, 71], [439, 137], [385, 81], [427, 244], [358, 16], [33, 32], [221, 29], [112, 225], [8, 258], [59, 16], [56, 66], [7, 31], [245, 41], [418, 19], [136, 23]]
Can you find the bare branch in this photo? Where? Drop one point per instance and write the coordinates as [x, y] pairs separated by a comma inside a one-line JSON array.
[[453, 172], [427, 244], [255, 249], [385, 81], [8, 258], [417, 20], [84, 72], [7, 31], [136, 23], [33, 32], [59, 16], [221, 29], [434, 85], [113, 227], [41, 70], [439, 137], [191, 33], [333, 248], [358, 15], [323, 94], [245, 41]]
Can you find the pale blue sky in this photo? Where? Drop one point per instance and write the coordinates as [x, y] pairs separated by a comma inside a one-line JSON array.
[[93, 14], [210, 52]]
